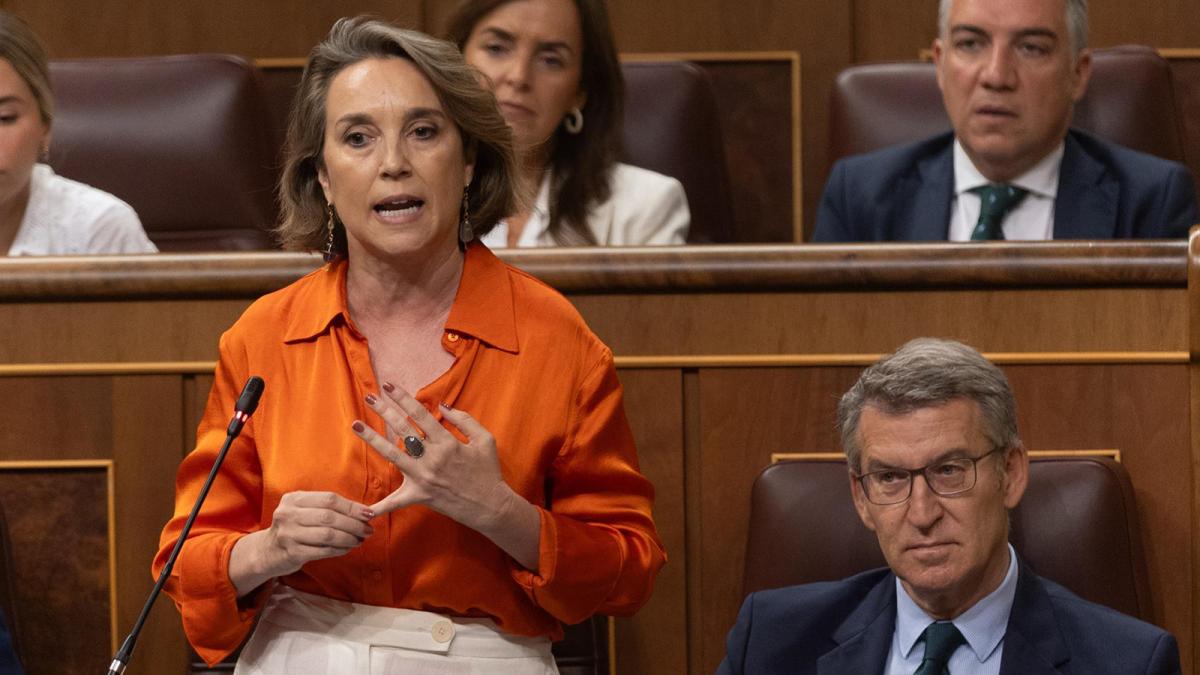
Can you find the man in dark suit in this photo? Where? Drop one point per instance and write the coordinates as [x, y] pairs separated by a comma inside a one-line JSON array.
[[935, 465], [1010, 72]]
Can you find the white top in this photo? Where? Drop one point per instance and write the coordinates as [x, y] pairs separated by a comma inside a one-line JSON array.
[[983, 626], [66, 217], [645, 209], [1032, 219]]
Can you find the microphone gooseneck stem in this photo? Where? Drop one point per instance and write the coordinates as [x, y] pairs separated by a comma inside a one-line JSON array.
[[126, 651]]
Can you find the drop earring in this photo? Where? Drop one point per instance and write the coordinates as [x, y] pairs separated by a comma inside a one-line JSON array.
[[466, 233], [330, 253]]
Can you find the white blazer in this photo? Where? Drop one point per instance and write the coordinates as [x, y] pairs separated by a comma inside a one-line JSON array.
[[645, 209]]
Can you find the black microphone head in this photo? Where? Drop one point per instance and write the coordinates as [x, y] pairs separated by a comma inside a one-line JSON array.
[[247, 403]]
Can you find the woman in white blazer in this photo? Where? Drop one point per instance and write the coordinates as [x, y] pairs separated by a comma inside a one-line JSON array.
[[553, 67]]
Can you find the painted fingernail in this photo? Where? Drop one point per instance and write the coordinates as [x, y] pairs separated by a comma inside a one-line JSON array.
[[358, 426], [389, 387], [371, 400], [368, 514]]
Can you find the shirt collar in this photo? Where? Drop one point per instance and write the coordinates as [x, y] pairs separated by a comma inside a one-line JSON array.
[[483, 305], [983, 625], [1041, 180]]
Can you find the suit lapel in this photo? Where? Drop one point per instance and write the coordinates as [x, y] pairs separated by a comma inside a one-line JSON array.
[[865, 637], [929, 190], [1033, 644], [1086, 204]]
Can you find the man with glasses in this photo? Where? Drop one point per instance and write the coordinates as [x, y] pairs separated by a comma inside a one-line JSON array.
[[930, 435]]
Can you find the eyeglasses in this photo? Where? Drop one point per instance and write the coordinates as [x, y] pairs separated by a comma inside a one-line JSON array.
[[945, 478]]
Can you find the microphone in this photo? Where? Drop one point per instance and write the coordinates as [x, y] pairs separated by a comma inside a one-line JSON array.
[[246, 404]]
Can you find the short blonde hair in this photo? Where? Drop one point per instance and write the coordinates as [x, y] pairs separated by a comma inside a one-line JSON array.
[[21, 48], [472, 108]]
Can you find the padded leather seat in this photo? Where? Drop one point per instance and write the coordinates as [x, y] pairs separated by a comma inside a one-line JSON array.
[[1076, 525], [671, 126], [181, 138], [1128, 101]]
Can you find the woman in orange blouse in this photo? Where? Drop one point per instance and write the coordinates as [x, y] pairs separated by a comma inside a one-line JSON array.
[[373, 531]]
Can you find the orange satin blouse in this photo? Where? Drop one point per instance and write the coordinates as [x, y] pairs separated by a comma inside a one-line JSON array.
[[526, 366]]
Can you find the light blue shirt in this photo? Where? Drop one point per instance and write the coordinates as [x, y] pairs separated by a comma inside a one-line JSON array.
[[983, 625]]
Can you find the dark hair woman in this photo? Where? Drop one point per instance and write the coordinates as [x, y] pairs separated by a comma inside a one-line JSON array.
[[553, 67]]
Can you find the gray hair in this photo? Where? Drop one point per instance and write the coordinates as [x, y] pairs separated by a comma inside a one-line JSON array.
[[928, 372], [468, 104], [1077, 22]]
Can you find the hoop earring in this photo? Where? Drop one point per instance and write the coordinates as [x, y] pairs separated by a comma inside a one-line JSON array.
[[573, 122], [330, 252], [466, 233]]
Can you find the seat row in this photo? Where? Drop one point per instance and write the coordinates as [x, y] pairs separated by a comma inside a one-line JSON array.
[[1135, 98], [192, 142]]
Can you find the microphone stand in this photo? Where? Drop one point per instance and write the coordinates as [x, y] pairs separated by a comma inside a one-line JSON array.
[[244, 408]]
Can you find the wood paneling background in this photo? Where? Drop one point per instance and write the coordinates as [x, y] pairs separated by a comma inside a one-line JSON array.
[[829, 34]]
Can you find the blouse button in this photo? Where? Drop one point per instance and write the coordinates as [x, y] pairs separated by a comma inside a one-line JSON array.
[[375, 482], [452, 337], [377, 575], [442, 630]]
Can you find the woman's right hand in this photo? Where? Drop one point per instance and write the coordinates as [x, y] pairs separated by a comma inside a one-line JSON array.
[[306, 526]]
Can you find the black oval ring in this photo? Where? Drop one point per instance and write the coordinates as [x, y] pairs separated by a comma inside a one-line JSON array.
[[414, 447]]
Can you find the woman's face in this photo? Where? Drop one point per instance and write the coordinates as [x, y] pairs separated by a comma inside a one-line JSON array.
[[393, 164], [23, 134], [531, 52]]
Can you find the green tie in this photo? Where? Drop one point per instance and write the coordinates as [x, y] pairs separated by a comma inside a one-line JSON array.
[[995, 201], [941, 639]]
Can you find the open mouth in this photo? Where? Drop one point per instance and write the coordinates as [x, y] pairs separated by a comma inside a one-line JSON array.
[[396, 208]]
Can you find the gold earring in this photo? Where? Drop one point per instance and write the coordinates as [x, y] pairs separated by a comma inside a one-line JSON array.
[[330, 253]]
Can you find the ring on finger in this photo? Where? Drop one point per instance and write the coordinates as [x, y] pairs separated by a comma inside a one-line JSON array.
[[414, 447]]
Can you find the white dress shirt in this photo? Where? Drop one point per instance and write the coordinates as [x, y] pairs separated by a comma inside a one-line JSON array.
[[645, 209], [983, 625], [1031, 219]]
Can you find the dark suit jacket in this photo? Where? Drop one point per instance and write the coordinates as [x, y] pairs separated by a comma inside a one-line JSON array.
[[1105, 191], [845, 627]]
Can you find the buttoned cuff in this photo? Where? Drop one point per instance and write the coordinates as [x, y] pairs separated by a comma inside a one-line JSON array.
[[578, 566], [213, 620]]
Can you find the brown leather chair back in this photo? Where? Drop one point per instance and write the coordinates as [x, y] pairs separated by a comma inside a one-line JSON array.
[[1076, 525], [671, 126], [1129, 101], [181, 138], [1185, 79]]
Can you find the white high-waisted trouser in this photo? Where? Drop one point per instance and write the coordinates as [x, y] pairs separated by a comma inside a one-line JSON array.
[[302, 633]]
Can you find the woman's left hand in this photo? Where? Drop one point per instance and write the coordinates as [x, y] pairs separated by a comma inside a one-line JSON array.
[[459, 480]]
